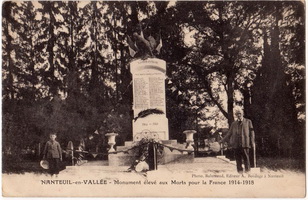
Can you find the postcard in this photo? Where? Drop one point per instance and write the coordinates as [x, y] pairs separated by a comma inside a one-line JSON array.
[[153, 99]]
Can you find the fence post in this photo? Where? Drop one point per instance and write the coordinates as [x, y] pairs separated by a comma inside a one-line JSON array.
[[39, 150], [155, 156], [151, 155]]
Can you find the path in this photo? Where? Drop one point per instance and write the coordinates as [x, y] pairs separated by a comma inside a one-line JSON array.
[[201, 178]]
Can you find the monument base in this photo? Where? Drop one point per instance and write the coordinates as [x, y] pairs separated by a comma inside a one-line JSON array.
[[168, 155], [120, 159], [175, 156]]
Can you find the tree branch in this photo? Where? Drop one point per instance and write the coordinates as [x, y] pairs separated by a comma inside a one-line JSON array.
[[208, 88]]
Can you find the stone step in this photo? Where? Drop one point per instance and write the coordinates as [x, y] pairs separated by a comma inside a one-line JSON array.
[[201, 165], [205, 165], [216, 159], [170, 142], [233, 162], [99, 167], [128, 143], [96, 163], [177, 158], [223, 158], [123, 148], [121, 159]]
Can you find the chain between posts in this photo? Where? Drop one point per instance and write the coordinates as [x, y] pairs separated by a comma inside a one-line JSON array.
[[137, 146]]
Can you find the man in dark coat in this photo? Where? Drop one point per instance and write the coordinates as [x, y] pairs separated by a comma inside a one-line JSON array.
[[53, 153], [241, 138]]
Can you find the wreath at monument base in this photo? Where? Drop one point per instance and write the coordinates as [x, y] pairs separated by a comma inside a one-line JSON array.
[[144, 160]]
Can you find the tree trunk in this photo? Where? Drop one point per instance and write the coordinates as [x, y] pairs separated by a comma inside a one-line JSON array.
[[94, 66], [50, 46], [116, 60], [9, 86], [230, 93], [72, 80]]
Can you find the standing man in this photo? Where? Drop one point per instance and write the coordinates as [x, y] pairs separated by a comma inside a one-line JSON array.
[[53, 153], [241, 138]]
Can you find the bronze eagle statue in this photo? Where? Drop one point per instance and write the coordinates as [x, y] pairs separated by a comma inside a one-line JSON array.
[[140, 47]]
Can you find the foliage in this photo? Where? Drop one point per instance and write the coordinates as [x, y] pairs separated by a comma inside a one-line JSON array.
[[281, 123], [65, 67], [148, 112]]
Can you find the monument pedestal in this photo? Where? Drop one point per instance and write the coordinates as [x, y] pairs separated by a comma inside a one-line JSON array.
[[150, 119], [149, 98], [155, 126]]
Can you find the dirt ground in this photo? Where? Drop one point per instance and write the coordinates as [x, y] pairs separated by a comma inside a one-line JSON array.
[[206, 177]]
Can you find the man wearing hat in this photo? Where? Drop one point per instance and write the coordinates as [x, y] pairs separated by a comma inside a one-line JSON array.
[[53, 153], [241, 138]]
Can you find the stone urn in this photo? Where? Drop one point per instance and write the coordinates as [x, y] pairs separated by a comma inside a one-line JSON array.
[[111, 141], [189, 138]]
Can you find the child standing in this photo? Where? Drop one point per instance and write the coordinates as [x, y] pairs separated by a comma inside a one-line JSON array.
[[53, 154]]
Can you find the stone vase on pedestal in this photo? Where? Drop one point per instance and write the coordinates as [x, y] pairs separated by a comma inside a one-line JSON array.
[[111, 141], [189, 138]]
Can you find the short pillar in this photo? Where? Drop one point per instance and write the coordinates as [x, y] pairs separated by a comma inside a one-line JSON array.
[[111, 141], [221, 144], [189, 138]]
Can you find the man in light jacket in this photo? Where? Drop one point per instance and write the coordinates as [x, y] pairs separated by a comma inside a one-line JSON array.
[[241, 138]]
